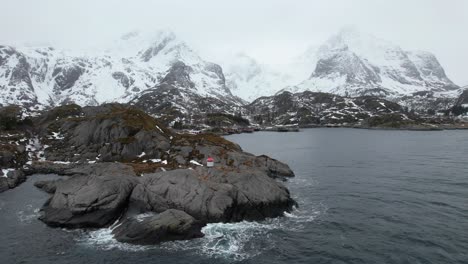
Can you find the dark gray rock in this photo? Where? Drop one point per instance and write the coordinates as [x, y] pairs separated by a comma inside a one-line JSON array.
[[183, 190], [167, 226], [47, 186], [123, 79], [66, 74], [179, 75], [213, 195], [49, 168], [4, 184], [109, 132], [11, 179], [94, 200], [232, 158]]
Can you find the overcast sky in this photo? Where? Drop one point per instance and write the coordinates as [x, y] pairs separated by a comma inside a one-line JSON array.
[[269, 30]]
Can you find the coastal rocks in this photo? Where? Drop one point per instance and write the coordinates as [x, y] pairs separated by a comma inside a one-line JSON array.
[[47, 186], [167, 226], [225, 153], [9, 179], [94, 200], [119, 161], [184, 190], [213, 195]]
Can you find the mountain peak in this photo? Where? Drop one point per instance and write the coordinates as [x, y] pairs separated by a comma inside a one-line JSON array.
[[355, 63]]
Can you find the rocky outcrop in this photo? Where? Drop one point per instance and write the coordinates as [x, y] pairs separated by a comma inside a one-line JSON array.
[[106, 133], [213, 195], [167, 226], [94, 200], [151, 170], [9, 179], [225, 153]]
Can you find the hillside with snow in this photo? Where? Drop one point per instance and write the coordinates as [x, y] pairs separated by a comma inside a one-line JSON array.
[[41, 77], [352, 63], [248, 79]]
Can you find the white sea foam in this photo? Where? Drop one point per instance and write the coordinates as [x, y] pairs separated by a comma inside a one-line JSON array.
[[232, 241], [28, 214]]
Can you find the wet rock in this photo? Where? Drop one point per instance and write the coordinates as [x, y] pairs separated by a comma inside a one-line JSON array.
[[12, 179], [213, 195], [274, 168], [91, 200], [167, 226]]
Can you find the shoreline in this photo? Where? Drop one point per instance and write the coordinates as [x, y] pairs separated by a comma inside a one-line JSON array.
[[356, 127]]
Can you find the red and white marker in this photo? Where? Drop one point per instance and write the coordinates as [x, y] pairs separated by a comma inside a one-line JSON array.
[[209, 162]]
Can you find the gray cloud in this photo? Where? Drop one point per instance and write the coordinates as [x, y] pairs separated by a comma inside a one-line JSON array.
[[269, 30]]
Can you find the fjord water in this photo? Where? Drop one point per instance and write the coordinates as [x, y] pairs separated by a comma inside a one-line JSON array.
[[365, 196]]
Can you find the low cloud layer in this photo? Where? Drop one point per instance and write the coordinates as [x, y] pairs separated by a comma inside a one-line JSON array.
[[269, 30]]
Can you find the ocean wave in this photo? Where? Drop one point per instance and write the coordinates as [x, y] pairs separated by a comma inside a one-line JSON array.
[[229, 241]]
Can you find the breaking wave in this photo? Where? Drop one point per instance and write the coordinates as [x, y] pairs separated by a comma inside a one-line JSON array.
[[230, 241]]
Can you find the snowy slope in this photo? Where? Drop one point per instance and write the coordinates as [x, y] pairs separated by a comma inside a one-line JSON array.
[[354, 64], [248, 79], [133, 64]]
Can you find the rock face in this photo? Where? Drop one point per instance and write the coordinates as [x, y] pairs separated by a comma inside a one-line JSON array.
[[213, 195], [94, 200], [167, 226]]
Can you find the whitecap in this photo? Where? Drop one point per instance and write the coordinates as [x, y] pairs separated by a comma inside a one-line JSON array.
[[231, 241], [29, 214]]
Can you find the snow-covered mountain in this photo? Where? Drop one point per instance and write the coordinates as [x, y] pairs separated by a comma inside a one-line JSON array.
[[248, 79], [352, 63], [134, 63]]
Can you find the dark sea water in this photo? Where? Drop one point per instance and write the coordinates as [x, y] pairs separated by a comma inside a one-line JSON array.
[[365, 197]]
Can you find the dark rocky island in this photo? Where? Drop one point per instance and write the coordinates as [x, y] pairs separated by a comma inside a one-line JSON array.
[[120, 163]]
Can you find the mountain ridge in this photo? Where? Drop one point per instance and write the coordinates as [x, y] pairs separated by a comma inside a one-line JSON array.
[[50, 77], [351, 63]]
